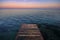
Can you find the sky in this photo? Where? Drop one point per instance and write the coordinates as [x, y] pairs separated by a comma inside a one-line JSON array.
[[29, 3]]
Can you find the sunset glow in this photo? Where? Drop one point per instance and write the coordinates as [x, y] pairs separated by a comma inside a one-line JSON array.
[[28, 4]]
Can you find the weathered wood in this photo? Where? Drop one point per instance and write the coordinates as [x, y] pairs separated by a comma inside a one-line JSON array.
[[29, 32]]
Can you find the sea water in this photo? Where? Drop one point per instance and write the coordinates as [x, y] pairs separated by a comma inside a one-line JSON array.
[[11, 19]]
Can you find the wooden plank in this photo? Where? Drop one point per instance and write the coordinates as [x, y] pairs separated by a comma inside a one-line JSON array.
[[29, 32]]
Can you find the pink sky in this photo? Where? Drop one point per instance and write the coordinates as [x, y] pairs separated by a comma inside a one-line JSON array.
[[28, 5]]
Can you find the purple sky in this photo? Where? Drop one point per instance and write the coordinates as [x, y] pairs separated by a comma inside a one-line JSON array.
[[31, 0]]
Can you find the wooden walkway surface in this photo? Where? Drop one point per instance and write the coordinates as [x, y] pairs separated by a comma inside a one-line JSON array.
[[29, 32]]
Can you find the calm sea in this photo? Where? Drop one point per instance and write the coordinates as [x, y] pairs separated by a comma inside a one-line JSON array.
[[11, 19], [14, 17]]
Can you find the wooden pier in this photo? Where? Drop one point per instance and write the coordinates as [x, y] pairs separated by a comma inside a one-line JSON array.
[[29, 32]]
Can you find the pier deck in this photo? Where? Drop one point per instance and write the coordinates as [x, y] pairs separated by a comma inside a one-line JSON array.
[[29, 32]]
